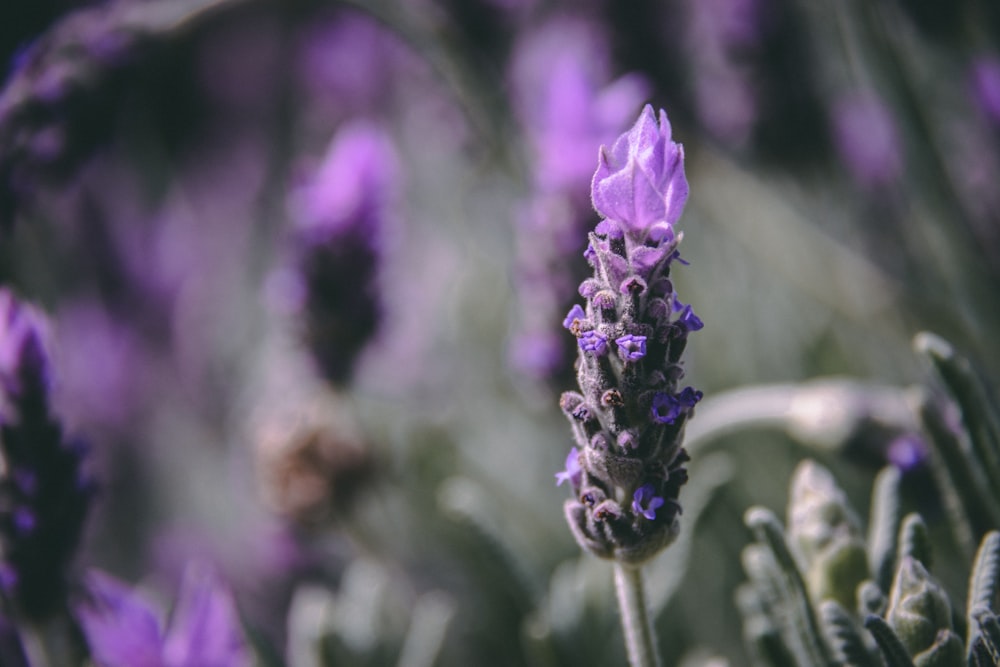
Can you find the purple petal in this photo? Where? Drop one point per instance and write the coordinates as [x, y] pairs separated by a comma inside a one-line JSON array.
[[121, 628], [206, 628]]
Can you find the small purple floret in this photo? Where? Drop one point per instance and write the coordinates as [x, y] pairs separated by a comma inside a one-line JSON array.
[[645, 503], [593, 341], [573, 472], [687, 319], [631, 347], [575, 313], [667, 408]]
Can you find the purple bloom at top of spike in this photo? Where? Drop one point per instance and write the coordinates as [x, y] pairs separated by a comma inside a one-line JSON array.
[[644, 501], [24, 362], [640, 180], [573, 472], [351, 187]]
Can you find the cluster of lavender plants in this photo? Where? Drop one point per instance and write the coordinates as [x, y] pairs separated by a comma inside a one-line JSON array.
[[303, 303]]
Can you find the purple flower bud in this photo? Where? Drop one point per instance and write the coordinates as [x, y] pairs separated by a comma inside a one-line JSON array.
[[573, 472], [575, 313], [640, 180], [594, 341], [644, 501], [631, 347]]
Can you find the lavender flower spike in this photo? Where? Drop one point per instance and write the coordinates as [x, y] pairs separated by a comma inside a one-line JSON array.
[[628, 416], [44, 494]]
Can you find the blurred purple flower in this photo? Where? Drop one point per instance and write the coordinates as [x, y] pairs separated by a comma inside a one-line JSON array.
[[907, 452], [640, 181], [668, 407], [644, 501], [567, 104], [124, 630], [566, 101], [867, 139], [985, 84], [341, 218]]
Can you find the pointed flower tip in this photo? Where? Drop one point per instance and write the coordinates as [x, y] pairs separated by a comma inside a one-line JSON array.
[[640, 181]]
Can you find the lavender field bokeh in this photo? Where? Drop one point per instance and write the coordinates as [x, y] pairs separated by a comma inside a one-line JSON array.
[[298, 272]]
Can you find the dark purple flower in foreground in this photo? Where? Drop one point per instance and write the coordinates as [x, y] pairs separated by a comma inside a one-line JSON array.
[[640, 180], [44, 493], [573, 471], [341, 218], [628, 418], [125, 630], [644, 501]]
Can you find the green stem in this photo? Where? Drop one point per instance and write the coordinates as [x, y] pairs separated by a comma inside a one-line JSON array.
[[636, 625]]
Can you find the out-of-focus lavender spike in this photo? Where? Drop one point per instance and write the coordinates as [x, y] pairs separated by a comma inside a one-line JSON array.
[[984, 80], [54, 105], [44, 489], [567, 104], [867, 140], [342, 218]]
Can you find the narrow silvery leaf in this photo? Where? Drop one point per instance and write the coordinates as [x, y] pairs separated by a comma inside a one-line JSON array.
[[892, 649], [802, 618], [913, 540], [984, 583], [978, 412], [764, 640], [971, 507], [883, 526], [842, 634]]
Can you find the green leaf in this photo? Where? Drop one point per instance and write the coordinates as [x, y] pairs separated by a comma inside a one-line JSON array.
[[978, 411], [801, 627], [842, 634], [914, 541], [883, 527], [892, 649]]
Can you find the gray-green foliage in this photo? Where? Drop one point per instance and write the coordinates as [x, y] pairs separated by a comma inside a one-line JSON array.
[[815, 586], [810, 595]]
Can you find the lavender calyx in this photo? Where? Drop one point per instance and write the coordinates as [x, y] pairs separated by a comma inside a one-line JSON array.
[[628, 417]]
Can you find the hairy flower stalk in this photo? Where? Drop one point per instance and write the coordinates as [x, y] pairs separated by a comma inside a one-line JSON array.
[[628, 418]]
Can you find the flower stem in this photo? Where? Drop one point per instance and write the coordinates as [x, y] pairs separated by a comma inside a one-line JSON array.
[[636, 625]]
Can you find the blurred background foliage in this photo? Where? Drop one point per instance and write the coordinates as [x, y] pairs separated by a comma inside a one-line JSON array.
[[843, 157]]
